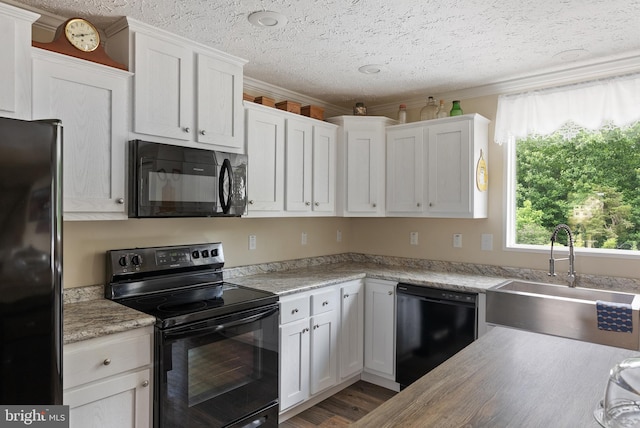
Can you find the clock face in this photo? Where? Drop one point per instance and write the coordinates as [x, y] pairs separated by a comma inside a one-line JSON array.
[[82, 35]]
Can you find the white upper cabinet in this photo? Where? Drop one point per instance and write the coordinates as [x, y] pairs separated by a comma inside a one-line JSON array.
[[310, 167], [91, 100], [186, 93], [292, 164], [405, 171], [437, 168], [219, 102], [163, 88], [361, 165], [15, 66], [265, 149]]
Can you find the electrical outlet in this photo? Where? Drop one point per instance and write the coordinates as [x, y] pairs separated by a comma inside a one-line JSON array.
[[457, 240], [252, 242], [339, 236], [486, 242], [413, 238], [303, 240]]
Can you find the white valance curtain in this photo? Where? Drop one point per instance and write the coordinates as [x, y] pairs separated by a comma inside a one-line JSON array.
[[590, 105]]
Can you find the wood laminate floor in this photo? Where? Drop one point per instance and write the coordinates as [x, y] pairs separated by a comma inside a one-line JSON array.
[[343, 408]]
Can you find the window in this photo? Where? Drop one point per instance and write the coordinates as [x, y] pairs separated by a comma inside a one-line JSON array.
[[574, 158], [590, 182]]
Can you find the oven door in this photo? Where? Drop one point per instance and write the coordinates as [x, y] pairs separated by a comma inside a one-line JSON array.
[[218, 372]]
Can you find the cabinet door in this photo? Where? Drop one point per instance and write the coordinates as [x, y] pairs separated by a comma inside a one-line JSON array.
[[163, 98], [299, 158], [362, 152], [219, 104], [351, 328], [294, 363], [324, 169], [449, 166], [324, 353], [91, 101], [15, 67], [405, 171], [379, 333], [116, 402], [265, 149]]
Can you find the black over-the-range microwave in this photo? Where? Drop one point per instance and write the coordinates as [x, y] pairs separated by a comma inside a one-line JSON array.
[[175, 181]]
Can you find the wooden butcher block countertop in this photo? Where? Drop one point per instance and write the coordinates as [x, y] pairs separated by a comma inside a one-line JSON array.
[[507, 378]]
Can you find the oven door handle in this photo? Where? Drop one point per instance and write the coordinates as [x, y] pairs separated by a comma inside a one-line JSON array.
[[197, 331]]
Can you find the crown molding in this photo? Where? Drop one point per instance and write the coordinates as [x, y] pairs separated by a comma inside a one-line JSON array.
[[259, 88]]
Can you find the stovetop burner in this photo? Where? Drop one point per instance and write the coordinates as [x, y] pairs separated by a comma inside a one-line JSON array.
[[177, 284]]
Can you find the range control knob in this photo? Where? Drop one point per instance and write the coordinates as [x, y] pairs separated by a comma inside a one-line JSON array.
[[122, 261], [195, 254], [136, 260], [205, 253]]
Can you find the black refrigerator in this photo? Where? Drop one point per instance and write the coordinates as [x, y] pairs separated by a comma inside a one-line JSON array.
[[30, 262]]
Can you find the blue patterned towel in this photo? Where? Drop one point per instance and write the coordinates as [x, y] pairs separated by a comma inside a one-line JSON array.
[[614, 316]]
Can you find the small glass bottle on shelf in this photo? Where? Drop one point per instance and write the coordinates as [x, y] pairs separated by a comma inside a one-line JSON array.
[[455, 109], [429, 111], [402, 114], [441, 110]]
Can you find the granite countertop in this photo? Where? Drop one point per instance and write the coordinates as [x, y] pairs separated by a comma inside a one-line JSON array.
[[87, 314], [88, 319], [302, 279], [507, 378]]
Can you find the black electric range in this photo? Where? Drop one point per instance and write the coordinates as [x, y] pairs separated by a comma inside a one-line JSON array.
[[177, 284]]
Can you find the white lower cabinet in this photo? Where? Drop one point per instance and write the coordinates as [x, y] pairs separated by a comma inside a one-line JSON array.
[[379, 330], [309, 328], [351, 328], [108, 380]]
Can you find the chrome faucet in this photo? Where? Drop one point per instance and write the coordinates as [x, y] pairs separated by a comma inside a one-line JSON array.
[[571, 275]]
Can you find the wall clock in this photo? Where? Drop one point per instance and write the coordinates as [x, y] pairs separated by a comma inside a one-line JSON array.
[[79, 38]]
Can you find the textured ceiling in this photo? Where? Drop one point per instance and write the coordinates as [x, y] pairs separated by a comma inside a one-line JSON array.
[[426, 46]]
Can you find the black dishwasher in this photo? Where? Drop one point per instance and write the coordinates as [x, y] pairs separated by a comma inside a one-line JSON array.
[[431, 325]]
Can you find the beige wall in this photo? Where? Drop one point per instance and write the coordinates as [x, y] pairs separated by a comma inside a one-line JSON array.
[[85, 243]]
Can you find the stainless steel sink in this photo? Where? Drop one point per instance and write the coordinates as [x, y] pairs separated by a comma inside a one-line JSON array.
[[560, 310]]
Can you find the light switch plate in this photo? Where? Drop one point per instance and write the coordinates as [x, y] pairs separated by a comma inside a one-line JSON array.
[[457, 240], [486, 242], [303, 239], [252, 242], [413, 238]]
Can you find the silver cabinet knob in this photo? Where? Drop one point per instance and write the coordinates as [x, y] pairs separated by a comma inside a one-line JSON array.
[[390, 293], [120, 201], [418, 204], [345, 296], [202, 132], [305, 330], [325, 303], [186, 129], [251, 202], [307, 203], [145, 383], [316, 326], [295, 311], [430, 204], [375, 205], [317, 204], [107, 361]]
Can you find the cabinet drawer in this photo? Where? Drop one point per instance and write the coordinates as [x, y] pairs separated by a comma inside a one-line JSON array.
[[294, 308], [324, 301], [94, 359]]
